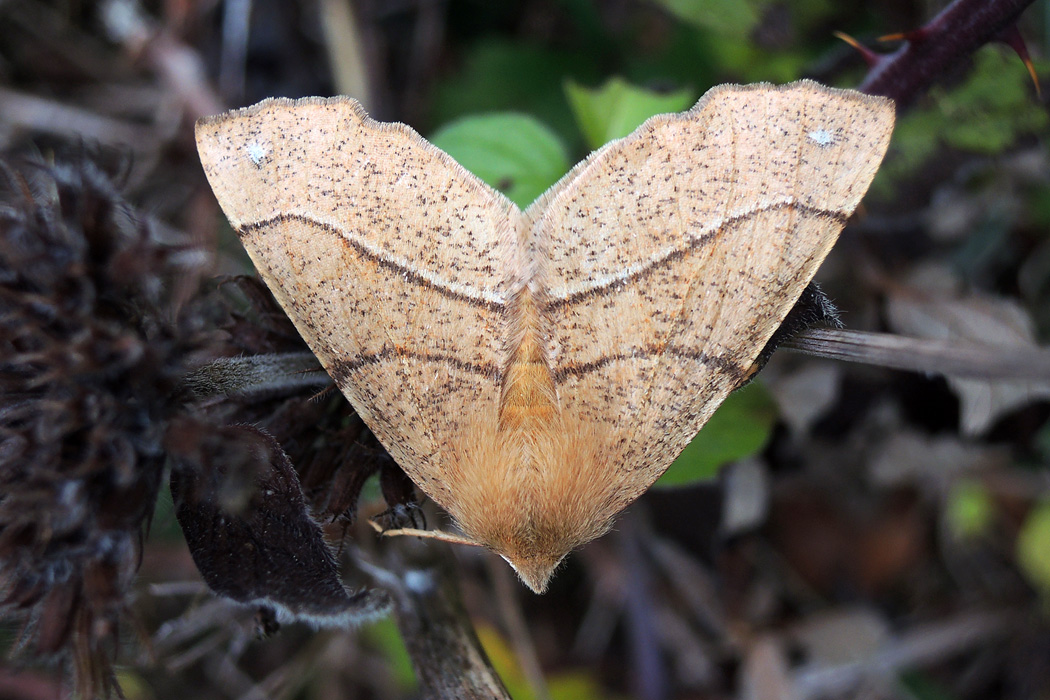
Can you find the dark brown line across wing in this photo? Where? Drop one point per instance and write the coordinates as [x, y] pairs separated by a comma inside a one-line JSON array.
[[340, 370], [406, 273], [603, 289], [717, 361]]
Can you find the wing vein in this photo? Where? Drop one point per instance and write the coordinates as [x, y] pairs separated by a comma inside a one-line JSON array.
[[640, 271], [455, 290]]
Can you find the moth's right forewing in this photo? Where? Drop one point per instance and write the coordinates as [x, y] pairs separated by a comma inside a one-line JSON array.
[[671, 256]]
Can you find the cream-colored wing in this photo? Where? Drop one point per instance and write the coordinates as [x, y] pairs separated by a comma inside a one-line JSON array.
[[671, 256], [394, 263]]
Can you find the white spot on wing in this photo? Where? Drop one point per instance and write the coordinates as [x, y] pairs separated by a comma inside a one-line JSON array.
[[258, 152], [821, 137]]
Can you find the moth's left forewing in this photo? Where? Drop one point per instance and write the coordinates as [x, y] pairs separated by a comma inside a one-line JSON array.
[[394, 263], [671, 256]]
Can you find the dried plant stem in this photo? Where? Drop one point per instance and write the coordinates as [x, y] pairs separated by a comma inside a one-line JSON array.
[[944, 357], [445, 651], [19, 110], [921, 645], [346, 50]]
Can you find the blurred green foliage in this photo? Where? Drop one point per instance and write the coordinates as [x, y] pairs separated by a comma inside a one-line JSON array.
[[919, 685], [383, 636], [984, 114], [617, 108], [970, 510], [564, 685], [514, 153], [516, 76], [734, 17], [739, 428], [1033, 548], [133, 686]]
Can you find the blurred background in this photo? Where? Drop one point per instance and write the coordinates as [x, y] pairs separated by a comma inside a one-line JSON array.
[[837, 530]]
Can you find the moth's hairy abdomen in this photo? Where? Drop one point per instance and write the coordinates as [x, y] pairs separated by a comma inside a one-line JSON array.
[[535, 372], [533, 497]]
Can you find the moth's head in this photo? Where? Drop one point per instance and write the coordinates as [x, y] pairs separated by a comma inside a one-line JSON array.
[[534, 536], [536, 571], [536, 553]]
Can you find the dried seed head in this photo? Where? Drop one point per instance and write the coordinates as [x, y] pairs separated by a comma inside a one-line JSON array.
[[91, 348]]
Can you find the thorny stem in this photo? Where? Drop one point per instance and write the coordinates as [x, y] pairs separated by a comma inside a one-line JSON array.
[[938, 47]]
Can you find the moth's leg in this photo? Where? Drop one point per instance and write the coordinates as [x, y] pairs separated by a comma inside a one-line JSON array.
[[405, 515], [399, 492]]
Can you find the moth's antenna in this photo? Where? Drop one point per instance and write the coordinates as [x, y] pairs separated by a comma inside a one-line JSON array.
[[440, 535]]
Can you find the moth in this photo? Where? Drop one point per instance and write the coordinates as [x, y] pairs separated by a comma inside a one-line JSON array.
[[535, 371]]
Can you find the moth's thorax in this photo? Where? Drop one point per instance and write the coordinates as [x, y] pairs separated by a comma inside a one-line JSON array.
[[528, 398]]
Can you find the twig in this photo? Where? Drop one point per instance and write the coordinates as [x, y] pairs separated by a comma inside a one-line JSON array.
[[649, 680], [236, 22], [428, 606], [694, 583], [23, 111], [346, 52], [922, 645], [945, 357]]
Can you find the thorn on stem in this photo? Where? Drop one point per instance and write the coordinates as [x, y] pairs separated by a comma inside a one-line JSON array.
[[1011, 36], [869, 56], [914, 36]]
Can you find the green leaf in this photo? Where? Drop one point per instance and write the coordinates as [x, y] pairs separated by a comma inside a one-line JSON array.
[[735, 17], [1033, 547], [617, 108], [970, 510], [501, 75], [739, 428], [384, 636], [513, 153], [751, 63]]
